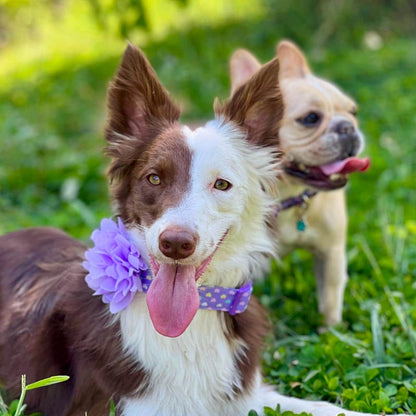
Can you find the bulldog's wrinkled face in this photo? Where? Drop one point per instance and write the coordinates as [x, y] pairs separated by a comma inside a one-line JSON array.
[[319, 124], [319, 128], [319, 135]]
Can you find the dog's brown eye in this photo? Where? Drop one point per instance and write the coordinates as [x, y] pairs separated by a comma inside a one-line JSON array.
[[154, 179], [310, 120], [222, 185], [354, 111]]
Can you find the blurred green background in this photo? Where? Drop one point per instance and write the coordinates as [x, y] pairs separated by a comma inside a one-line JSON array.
[[56, 59]]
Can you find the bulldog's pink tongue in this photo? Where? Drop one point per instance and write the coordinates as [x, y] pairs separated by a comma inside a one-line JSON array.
[[173, 299], [349, 165]]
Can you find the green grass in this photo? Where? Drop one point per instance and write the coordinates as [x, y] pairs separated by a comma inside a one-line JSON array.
[[17, 407], [52, 112]]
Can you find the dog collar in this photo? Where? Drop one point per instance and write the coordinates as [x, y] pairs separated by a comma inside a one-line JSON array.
[[300, 199], [117, 270]]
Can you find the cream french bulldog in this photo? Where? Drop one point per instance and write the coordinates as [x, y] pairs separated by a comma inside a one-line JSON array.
[[320, 139]]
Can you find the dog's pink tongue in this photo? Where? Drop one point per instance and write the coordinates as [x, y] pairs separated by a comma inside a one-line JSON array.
[[349, 165], [173, 299]]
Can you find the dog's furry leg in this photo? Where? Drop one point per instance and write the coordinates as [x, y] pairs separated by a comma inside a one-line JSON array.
[[330, 270]]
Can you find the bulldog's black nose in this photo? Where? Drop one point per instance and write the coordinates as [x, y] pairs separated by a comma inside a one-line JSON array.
[[350, 141], [345, 127]]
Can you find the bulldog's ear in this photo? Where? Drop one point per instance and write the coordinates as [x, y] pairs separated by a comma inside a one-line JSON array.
[[256, 106], [243, 65], [293, 63]]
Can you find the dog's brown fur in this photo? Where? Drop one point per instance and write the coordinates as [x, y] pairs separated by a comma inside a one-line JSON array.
[[247, 110], [51, 324]]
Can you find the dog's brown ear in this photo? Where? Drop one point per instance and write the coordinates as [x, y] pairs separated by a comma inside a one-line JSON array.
[[243, 65], [256, 106], [293, 62], [139, 109]]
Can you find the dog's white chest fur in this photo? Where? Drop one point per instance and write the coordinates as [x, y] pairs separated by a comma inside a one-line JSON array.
[[194, 374]]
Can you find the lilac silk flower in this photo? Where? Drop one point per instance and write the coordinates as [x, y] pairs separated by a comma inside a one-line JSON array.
[[115, 266]]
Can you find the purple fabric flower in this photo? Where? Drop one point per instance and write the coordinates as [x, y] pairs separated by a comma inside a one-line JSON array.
[[115, 266]]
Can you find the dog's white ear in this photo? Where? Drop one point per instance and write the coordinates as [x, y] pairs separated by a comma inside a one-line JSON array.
[[139, 109], [293, 62], [243, 65], [256, 106]]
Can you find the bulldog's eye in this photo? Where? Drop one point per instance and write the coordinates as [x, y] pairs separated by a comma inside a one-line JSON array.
[[154, 179], [310, 120], [354, 112], [222, 185]]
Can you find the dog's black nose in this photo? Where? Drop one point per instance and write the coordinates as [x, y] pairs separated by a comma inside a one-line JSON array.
[[177, 243], [348, 137], [345, 127]]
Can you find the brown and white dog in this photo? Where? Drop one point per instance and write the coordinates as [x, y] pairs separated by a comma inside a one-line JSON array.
[[208, 193], [319, 138]]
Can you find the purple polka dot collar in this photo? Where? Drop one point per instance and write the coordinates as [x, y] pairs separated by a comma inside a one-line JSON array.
[[116, 271]]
